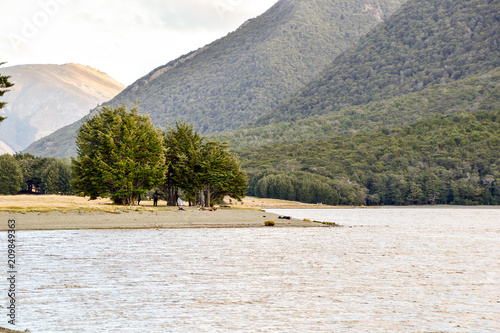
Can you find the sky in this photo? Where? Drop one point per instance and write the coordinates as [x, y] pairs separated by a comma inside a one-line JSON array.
[[126, 39]]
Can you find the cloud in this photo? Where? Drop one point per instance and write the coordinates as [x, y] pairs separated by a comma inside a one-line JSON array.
[[124, 38]]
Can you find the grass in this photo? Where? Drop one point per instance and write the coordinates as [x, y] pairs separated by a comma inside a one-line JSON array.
[[60, 203], [50, 203]]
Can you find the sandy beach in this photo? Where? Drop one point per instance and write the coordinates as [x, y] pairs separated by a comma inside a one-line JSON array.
[[73, 213]]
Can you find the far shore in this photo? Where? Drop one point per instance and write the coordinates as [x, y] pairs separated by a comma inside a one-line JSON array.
[[53, 212]]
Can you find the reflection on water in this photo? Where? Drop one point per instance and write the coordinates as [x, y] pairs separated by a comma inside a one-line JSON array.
[[405, 270]]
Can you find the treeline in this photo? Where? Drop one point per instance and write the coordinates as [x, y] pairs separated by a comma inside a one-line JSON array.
[[27, 174], [442, 160]]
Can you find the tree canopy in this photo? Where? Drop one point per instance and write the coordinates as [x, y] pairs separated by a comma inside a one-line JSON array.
[[4, 85], [441, 160], [119, 155], [204, 171], [425, 43], [11, 177]]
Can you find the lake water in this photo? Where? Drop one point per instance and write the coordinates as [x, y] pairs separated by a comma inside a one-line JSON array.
[[385, 270]]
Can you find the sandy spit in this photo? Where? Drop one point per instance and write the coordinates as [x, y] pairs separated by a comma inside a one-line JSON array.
[[189, 218]]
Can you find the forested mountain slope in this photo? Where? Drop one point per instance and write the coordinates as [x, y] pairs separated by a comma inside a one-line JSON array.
[[425, 43], [237, 78], [472, 93], [240, 77], [441, 160]]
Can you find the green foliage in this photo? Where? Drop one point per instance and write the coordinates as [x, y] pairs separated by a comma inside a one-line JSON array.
[[11, 177], [31, 168], [183, 151], [120, 155], [41, 175], [56, 177], [295, 186], [4, 84], [202, 170], [425, 43], [442, 160], [221, 174], [474, 92]]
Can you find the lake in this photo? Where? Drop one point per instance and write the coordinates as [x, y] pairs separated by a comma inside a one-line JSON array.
[[384, 270]]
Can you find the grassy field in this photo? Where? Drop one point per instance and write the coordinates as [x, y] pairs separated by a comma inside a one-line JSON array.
[[57, 203]]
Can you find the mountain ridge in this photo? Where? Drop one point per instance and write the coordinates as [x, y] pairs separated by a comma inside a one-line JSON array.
[[424, 43], [235, 79], [48, 97]]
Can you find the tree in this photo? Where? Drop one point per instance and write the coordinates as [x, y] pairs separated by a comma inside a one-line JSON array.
[[4, 84], [183, 147], [31, 168], [119, 155], [205, 170], [221, 174], [11, 176], [56, 177]]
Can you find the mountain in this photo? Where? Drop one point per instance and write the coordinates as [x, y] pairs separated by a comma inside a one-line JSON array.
[[345, 138], [424, 44], [48, 97], [236, 79]]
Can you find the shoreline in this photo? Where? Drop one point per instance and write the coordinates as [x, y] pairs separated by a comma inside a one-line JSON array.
[[52, 212], [178, 219]]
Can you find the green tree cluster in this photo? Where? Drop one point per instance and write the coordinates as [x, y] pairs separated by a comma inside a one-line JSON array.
[[11, 177], [25, 173], [4, 85], [441, 160], [205, 171], [121, 155]]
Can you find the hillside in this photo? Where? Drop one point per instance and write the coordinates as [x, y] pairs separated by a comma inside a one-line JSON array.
[[240, 77], [424, 44], [48, 97], [472, 93], [449, 159]]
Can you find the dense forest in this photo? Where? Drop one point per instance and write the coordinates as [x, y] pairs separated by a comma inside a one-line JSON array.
[[451, 159], [475, 92], [25, 173], [425, 43]]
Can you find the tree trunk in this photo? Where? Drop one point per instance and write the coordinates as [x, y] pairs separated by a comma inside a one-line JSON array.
[[208, 203], [202, 197]]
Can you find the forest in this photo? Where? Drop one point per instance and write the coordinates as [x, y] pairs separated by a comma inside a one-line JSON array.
[[452, 159], [424, 44]]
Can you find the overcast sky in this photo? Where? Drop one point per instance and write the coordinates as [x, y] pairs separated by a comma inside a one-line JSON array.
[[124, 38]]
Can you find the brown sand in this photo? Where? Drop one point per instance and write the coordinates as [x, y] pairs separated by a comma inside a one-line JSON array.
[[189, 218], [66, 212]]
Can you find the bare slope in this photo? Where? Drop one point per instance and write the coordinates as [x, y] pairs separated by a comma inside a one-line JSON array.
[[48, 97]]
